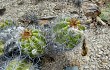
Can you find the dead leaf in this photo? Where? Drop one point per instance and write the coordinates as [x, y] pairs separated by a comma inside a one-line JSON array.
[[84, 48], [43, 22]]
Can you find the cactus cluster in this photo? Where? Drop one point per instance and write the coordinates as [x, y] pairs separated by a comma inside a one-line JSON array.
[[34, 41]]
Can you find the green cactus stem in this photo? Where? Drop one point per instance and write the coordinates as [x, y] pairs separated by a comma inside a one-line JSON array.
[[1, 47], [5, 23], [19, 65]]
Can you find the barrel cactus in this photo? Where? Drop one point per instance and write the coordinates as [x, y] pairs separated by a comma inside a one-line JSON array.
[[32, 42], [68, 33]]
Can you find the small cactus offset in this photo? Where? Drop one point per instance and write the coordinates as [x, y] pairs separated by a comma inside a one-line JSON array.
[[18, 65], [5, 23], [1, 47]]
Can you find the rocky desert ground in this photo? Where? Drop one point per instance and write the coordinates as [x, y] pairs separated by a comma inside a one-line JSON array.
[[98, 39]]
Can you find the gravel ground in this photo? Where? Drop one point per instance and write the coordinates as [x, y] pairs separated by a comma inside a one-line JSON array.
[[98, 40]]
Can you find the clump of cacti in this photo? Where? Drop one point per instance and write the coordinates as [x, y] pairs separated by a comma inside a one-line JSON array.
[[34, 41]]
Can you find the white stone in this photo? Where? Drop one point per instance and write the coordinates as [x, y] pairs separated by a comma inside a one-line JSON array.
[[98, 55], [100, 52], [34, 51], [21, 13], [99, 46], [86, 67], [93, 66]]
